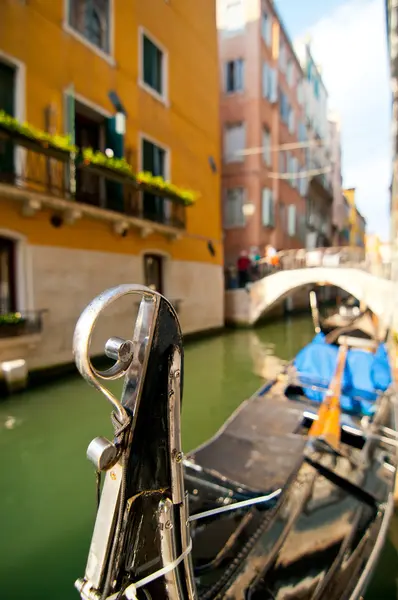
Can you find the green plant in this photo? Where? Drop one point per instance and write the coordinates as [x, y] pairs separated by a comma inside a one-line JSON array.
[[11, 319], [100, 159], [61, 142], [155, 181], [89, 156]]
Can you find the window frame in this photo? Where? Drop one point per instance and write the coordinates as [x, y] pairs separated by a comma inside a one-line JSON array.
[[235, 62], [266, 27], [271, 207], [235, 158], [164, 96], [227, 225], [107, 56]]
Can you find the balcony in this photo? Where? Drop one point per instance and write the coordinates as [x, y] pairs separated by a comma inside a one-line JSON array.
[[43, 174]]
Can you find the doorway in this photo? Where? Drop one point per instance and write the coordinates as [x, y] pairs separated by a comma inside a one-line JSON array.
[[7, 276], [153, 272]]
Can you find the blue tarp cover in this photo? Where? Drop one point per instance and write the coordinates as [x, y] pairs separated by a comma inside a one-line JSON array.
[[365, 374]]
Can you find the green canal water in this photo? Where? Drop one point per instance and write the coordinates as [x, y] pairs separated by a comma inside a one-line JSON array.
[[47, 487]]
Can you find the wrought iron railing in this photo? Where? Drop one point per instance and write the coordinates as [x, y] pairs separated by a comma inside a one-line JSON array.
[[21, 323], [32, 166]]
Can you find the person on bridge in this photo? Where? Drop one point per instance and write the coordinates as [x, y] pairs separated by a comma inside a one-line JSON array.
[[244, 264], [271, 256]]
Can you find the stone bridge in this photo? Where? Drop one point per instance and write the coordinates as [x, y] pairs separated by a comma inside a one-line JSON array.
[[345, 268]]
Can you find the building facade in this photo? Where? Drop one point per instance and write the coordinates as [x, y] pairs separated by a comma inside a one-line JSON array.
[[340, 205], [134, 88], [357, 222], [262, 123], [320, 192]]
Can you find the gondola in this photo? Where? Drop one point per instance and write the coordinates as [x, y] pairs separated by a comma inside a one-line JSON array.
[[292, 498]]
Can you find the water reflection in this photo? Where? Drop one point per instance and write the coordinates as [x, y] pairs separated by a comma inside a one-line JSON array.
[[47, 496], [265, 362]]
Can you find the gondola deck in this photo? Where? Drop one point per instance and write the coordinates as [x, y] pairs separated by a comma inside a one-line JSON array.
[[291, 499]]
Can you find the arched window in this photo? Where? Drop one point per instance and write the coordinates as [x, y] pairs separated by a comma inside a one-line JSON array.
[[91, 19]]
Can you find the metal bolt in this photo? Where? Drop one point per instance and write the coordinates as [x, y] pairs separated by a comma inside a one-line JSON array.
[[179, 456], [168, 525], [113, 475]]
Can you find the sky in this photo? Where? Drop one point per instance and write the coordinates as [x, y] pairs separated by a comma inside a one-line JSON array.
[[348, 40]]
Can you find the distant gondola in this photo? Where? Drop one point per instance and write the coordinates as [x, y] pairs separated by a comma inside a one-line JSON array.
[[292, 498]]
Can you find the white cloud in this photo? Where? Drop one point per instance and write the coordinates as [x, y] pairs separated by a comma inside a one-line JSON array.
[[350, 45]]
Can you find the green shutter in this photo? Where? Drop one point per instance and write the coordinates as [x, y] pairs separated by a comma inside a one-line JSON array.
[[114, 190], [153, 160]]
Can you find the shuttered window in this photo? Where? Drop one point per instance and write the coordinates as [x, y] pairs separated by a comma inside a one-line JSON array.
[[234, 142], [291, 220], [233, 208], [268, 212]]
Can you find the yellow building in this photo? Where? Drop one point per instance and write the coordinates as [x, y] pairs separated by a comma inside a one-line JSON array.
[[357, 221], [126, 78]]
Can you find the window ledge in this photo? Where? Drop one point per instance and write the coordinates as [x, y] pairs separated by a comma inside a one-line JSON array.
[[147, 88], [73, 210], [78, 36]]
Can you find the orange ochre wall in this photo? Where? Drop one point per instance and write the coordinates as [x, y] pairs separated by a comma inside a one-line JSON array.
[[33, 33]]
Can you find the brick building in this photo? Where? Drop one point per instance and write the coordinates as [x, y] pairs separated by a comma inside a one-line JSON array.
[[262, 119]]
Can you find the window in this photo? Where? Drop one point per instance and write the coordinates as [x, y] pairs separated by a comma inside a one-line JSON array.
[[291, 120], [302, 132], [302, 227], [303, 184], [7, 276], [234, 16], [268, 213], [153, 66], [291, 220], [269, 83], [290, 73], [234, 76], [266, 28], [300, 91], [282, 56], [91, 19], [233, 215], [153, 272], [154, 160], [234, 142], [267, 146]]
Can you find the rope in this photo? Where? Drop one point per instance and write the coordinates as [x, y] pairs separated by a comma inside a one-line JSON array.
[[235, 506], [131, 591]]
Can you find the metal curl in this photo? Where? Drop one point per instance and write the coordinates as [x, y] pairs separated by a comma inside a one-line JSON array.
[[82, 341]]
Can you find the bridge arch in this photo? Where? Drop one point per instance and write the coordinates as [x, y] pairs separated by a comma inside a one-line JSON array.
[[376, 292]]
